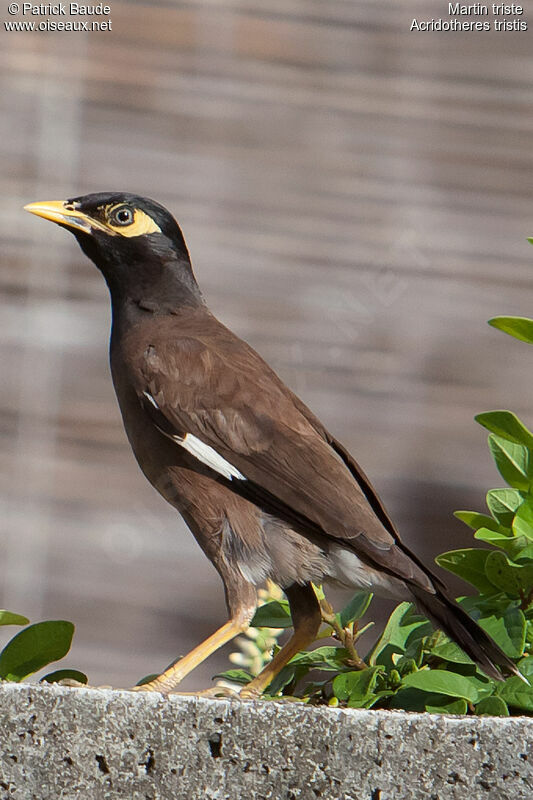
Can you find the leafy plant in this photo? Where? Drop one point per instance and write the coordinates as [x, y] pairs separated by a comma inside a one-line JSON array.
[[35, 647], [411, 666]]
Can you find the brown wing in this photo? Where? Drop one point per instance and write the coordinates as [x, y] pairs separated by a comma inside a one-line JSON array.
[[213, 386]]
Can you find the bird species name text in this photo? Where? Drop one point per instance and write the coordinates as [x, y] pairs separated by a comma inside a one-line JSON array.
[[504, 18]]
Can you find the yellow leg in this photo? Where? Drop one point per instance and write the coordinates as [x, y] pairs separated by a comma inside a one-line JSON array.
[[300, 640], [306, 619], [172, 676]]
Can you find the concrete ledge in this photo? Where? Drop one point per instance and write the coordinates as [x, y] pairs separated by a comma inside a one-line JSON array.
[[85, 744]]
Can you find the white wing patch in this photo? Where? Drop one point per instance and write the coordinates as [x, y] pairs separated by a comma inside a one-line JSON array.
[[203, 452], [208, 456]]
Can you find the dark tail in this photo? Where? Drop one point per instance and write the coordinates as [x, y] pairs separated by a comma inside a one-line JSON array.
[[455, 622]]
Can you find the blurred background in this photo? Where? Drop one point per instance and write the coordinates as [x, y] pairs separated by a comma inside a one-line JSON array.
[[356, 199]]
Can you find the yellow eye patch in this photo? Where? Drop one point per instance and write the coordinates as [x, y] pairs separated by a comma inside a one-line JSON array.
[[127, 221]]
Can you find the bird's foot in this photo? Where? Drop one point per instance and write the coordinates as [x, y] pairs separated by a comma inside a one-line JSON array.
[[249, 693], [73, 683], [213, 691]]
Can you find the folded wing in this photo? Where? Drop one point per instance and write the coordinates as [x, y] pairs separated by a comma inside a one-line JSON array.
[[219, 400]]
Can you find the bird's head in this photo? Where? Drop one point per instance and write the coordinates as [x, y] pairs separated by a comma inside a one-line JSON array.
[[135, 242]]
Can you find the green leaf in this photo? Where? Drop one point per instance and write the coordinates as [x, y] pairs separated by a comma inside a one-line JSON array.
[[507, 425], [324, 658], [493, 707], [34, 648], [495, 538], [417, 700], [484, 605], [8, 618], [449, 651], [355, 609], [475, 520], [520, 550], [440, 704], [503, 504], [525, 665], [405, 665], [483, 685], [469, 564], [62, 674], [512, 461], [239, 676], [516, 693], [519, 327], [356, 687], [523, 521], [441, 681], [507, 630], [289, 676], [513, 579], [275, 614], [377, 698], [411, 700], [404, 626]]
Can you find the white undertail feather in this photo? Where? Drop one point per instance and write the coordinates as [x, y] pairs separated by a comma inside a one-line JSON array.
[[348, 570]]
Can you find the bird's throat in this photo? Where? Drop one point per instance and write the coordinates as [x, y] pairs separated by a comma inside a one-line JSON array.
[[162, 291]]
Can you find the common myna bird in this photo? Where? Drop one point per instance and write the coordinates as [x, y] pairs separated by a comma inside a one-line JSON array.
[[266, 490]]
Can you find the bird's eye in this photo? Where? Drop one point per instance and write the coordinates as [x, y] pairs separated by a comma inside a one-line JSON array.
[[122, 216]]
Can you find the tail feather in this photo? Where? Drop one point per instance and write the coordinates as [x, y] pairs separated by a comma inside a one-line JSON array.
[[455, 622]]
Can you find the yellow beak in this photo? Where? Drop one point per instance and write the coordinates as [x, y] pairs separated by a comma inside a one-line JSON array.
[[64, 214]]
